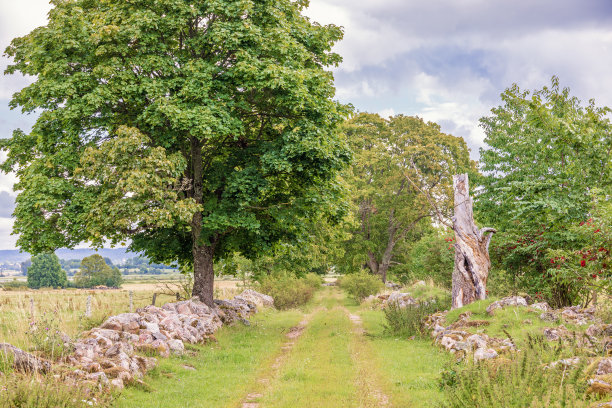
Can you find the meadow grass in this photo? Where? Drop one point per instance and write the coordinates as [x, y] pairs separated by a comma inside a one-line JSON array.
[[217, 374], [411, 367], [319, 372], [66, 308], [517, 321]]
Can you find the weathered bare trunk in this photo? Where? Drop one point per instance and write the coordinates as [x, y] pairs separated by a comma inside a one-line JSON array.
[[203, 252], [472, 261]]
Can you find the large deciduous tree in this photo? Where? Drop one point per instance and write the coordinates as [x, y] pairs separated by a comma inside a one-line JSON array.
[[548, 161], [402, 176], [190, 128]]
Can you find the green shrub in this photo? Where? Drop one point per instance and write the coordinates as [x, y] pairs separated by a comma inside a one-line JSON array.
[[360, 285], [313, 280], [46, 272], [95, 271], [287, 291], [428, 292], [432, 257], [520, 382], [408, 321]]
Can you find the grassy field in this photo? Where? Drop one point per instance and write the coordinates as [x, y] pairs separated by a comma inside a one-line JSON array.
[[65, 308], [333, 362], [332, 352]]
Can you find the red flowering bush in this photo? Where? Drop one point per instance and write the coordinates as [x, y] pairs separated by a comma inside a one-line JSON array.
[[587, 270], [562, 264]]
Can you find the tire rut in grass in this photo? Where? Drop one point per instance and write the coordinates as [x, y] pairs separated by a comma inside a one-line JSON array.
[[370, 393], [251, 400]]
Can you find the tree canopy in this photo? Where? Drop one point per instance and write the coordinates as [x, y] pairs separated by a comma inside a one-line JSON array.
[[46, 272], [401, 178], [547, 164], [192, 129]]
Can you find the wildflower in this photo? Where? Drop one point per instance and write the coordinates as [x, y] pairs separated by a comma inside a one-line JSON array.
[[583, 263]]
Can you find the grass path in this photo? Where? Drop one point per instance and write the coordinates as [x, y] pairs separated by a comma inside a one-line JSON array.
[[218, 374], [332, 354], [319, 372], [370, 382]]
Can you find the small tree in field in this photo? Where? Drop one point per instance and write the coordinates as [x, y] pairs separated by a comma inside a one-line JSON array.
[[46, 272], [95, 271]]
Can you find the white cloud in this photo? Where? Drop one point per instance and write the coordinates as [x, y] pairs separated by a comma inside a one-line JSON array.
[[446, 61], [387, 113], [7, 241], [6, 180], [18, 18]]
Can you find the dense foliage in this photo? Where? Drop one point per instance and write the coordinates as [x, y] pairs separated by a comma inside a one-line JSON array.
[[361, 284], [431, 257], [46, 272], [192, 129], [94, 271], [401, 178], [290, 291], [548, 170]]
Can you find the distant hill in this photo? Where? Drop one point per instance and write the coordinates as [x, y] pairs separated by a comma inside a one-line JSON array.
[[117, 255]]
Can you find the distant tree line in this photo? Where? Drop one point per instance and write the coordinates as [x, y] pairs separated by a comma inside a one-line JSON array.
[[134, 266]]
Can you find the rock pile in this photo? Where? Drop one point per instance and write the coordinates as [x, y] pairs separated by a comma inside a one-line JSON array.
[[121, 350], [505, 302], [457, 339], [400, 299], [461, 342]]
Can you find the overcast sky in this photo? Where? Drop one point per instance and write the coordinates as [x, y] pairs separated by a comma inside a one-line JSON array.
[[444, 60]]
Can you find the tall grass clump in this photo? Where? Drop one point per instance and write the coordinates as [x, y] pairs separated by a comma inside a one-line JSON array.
[[288, 291], [360, 285], [46, 337], [35, 391], [408, 321], [524, 381]]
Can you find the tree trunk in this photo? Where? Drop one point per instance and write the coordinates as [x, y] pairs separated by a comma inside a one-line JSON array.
[[472, 261], [382, 271], [372, 263], [203, 273], [203, 252]]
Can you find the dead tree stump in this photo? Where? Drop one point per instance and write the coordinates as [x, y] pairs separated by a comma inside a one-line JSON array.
[[472, 261]]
